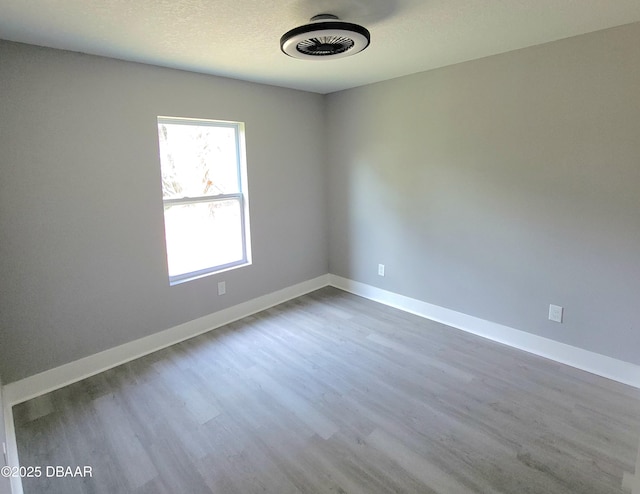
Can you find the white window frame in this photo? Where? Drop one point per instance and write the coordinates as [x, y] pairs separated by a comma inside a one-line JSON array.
[[241, 197]]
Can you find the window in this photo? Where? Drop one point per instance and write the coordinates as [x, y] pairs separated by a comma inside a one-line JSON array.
[[204, 192]]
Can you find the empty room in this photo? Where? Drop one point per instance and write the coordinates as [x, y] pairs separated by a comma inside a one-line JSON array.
[[347, 246]]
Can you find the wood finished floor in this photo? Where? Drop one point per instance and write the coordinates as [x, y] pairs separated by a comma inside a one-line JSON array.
[[331, 393]]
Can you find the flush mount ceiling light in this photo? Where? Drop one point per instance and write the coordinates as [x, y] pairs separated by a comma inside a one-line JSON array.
[[325, 38]]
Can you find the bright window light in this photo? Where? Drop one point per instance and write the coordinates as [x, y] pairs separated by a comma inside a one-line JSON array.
[[206, 213]]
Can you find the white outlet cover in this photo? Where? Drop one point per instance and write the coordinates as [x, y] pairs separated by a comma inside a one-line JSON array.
[[555, 313], [381, 269], [222, 288]]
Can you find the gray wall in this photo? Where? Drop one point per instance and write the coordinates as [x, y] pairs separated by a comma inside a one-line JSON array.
[[82, 259], [499, 186], [493, 187]]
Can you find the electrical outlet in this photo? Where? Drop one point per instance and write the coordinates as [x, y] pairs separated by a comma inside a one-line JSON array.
[[222, 288], [555, 313], [380, 269]]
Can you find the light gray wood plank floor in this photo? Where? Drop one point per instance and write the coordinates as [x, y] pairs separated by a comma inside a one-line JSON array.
[[332, 393]]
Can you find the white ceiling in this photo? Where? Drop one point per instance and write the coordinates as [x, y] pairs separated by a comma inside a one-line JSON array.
[[240, 38]]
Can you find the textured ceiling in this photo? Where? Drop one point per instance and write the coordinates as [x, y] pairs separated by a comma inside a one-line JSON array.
[[240, 38]]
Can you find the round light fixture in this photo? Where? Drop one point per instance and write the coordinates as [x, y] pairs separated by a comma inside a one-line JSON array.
[[325, 38]]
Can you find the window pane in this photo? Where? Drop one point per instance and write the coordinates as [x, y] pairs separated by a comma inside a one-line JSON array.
[[197, 160], [203, 235]]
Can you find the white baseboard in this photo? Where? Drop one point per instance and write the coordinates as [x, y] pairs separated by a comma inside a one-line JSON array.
[[58, 377], [586, 360], [77, 370], [12, 446]]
